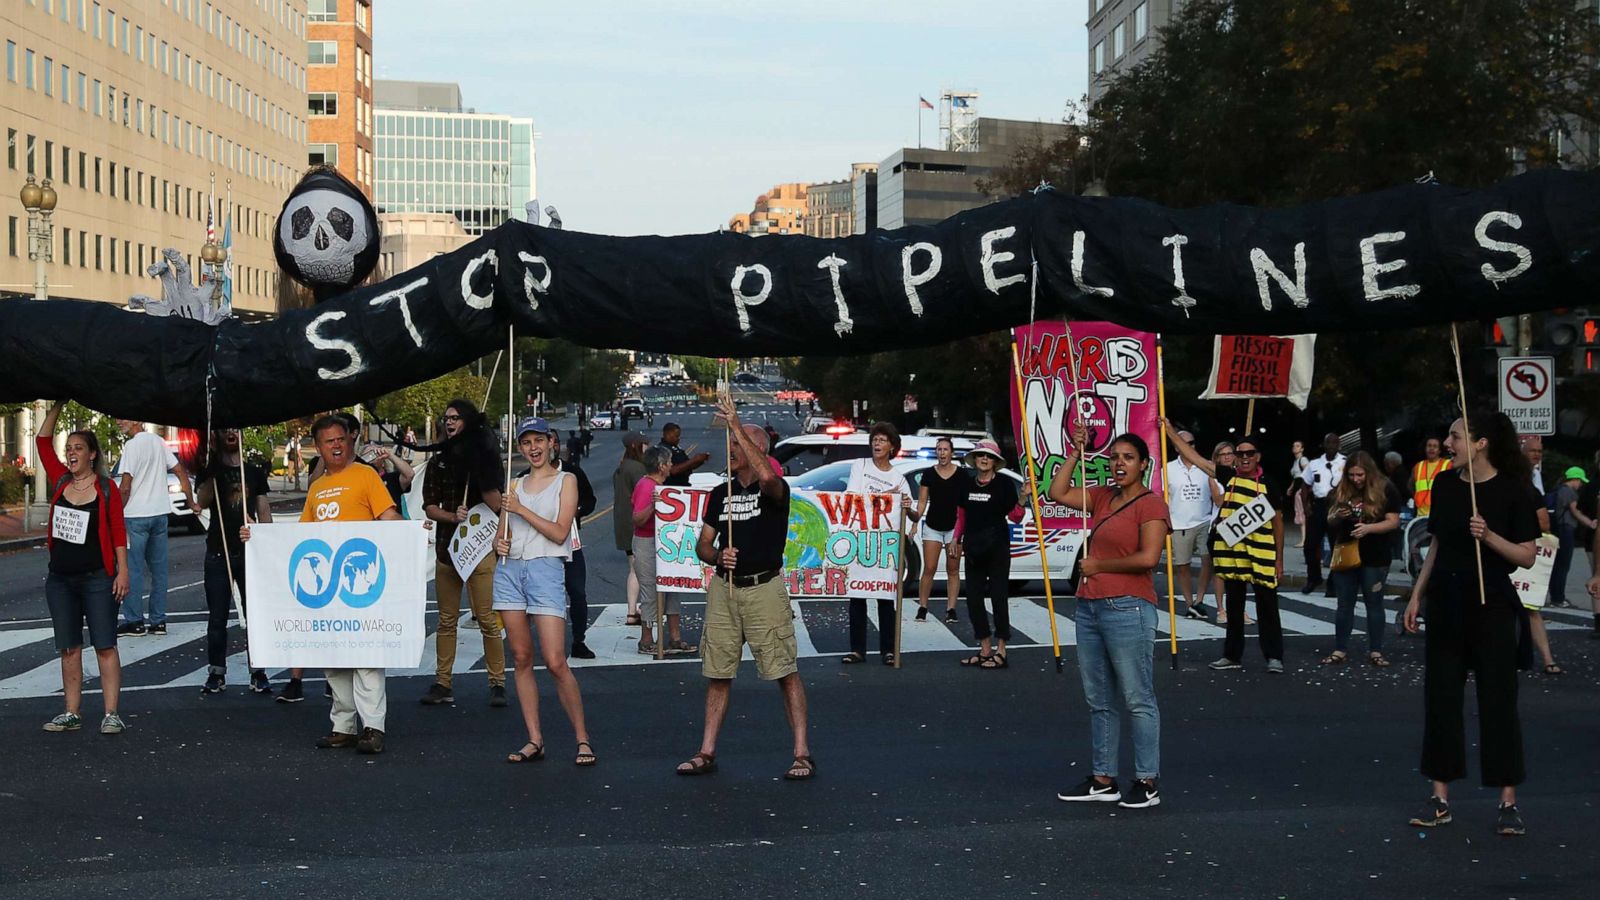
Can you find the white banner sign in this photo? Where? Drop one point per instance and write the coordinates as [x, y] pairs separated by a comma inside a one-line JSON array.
[[336, 595], [1246, 520], [473, 539], [1533, 583]]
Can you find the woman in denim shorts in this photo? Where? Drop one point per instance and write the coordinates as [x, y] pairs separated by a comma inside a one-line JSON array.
[[88, 568], [530, 590]]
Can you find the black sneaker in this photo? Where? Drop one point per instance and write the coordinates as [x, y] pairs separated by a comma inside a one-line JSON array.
[[437, 694], [130, 629], [1509, 821], [213, 685], [1197, 611], [293, 692], [371, 741], [1311, 587], [580, 650], [157, 630], [949, 617], [1141, 795], [1434, 814], [259, 683], [1091, 791], [497, 695], [922, 614], [1561, 604]]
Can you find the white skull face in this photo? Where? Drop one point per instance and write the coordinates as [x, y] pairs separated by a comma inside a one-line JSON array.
[[324, 231]]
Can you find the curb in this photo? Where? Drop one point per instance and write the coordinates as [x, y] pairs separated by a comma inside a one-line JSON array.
[[21, 543]]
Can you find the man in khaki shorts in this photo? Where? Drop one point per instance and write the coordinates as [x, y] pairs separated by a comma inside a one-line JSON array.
[[745, 600]]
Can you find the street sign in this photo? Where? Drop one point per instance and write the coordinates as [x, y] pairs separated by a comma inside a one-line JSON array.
[[1528, 393]]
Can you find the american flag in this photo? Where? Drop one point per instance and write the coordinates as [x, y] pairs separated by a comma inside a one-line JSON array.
[[211, 226]]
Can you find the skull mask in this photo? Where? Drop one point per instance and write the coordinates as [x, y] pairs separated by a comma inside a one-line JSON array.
[[324, 232]]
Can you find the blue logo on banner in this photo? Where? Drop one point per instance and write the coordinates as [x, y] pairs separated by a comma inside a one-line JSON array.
[[355, 574]]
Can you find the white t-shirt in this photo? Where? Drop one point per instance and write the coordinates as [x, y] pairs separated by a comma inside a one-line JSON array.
[[1190, 504], [147, 459], [1323, 474], [867, 478]]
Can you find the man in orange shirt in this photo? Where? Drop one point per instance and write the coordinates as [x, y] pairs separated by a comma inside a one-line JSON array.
[[1423, 474]]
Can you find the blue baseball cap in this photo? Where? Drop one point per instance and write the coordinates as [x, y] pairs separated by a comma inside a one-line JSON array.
[[535, 424]]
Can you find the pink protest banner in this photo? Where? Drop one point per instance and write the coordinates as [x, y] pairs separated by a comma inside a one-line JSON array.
[[1117, 384]]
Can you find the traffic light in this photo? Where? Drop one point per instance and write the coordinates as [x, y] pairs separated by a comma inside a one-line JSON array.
[[1494, 335], [1586, 357]]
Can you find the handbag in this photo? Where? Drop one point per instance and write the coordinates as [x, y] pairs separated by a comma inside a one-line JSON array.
[[1346, 556]]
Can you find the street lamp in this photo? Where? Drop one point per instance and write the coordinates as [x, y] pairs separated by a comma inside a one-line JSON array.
[[40, 202]]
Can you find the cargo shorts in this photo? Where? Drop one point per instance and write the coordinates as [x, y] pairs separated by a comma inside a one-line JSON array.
[[758, 616]]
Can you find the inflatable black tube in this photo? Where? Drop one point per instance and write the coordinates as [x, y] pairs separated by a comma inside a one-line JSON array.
[[1413, 255]]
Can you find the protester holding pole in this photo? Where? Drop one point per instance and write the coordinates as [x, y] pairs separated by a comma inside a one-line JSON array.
[[746, 599], [229, 487], [1116, 618], [530, 590], [1246, 548], [1472, 613], [876, 475]]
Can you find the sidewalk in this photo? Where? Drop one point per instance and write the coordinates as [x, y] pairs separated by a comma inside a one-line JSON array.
[[13, 536]]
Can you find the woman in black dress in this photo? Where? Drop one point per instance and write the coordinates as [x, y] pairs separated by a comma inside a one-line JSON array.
[[1472, 631]]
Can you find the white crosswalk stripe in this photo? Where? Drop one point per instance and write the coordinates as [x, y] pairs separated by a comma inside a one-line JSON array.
[[177, 659]]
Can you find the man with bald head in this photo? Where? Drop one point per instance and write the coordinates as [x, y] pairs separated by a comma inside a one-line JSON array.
[[746, 526]]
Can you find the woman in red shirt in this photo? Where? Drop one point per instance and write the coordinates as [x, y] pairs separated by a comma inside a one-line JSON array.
[[1116, 618], [88, 568]]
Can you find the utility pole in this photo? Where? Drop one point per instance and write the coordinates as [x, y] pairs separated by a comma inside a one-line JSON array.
[[1524, 334]]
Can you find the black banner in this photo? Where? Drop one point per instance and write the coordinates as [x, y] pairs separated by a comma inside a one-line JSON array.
[[1414, 255]]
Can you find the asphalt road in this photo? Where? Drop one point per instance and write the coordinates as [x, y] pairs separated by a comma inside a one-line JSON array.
[[934, 781]]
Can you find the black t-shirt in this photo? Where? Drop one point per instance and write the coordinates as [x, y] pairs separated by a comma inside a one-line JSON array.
[[988, 504], [67, 558], [464, 470], [1508, 508], [225, 482], [1376, 549], [679, 457], [944, 495], [760, 525]]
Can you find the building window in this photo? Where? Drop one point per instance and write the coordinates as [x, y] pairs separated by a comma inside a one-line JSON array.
[[363, 10], [323, 154], [323, 11], [27, 72], [1119, 40], [323, 53], [11, 235], [324, 103], [1141, 22], [66, 246], [11, 61], [1097, 59]]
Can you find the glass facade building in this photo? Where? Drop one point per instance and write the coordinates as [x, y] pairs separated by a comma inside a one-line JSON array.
[[477, 167]]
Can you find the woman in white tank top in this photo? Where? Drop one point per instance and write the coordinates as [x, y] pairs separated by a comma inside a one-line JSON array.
[[536, 538]]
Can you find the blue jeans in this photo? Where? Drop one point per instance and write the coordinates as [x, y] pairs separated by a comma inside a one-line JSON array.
[[1116, 641], [1369, 579], [147, 551]]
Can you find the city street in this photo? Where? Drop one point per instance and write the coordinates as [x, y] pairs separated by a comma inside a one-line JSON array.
[[933, 780]]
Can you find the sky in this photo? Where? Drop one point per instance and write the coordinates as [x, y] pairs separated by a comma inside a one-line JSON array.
[[671, 117]]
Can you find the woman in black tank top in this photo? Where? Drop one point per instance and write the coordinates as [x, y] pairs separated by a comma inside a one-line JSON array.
[[942, 488]]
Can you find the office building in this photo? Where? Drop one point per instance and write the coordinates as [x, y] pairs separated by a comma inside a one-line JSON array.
[[411, 239], [918, 186], [831, 206], [781, 210], [435, 155], [1121, 33], [339, 88], [128, 109], [864, 197]]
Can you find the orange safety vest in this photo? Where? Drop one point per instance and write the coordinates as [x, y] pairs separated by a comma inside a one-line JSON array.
[[1422, 476]]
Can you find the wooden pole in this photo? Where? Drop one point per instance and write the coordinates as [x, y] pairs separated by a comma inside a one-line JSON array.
[[1166, 493], [1466, 429], [661, 627], [511, 427], [1033, 498], [900, 585], [1249, 418]]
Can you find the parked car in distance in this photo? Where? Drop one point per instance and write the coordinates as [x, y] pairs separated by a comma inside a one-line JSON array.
[[633, 407]]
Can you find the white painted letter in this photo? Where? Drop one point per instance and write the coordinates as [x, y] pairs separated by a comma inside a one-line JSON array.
[[1176, 242], [833, 264], [989, 258], [478, 301], [913, 279], [1077, 270], [531, 285], [405, 306], [321, 343], [1524, 255], [1371, 268], [1295, 288], [741, 300]]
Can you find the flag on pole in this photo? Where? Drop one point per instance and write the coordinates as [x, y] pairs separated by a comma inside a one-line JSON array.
[[227, 266], [925, 103], [211, 226], [958, 102]]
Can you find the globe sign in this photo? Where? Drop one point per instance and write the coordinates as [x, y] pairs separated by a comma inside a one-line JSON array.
[[356, 573], [808, 535]]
